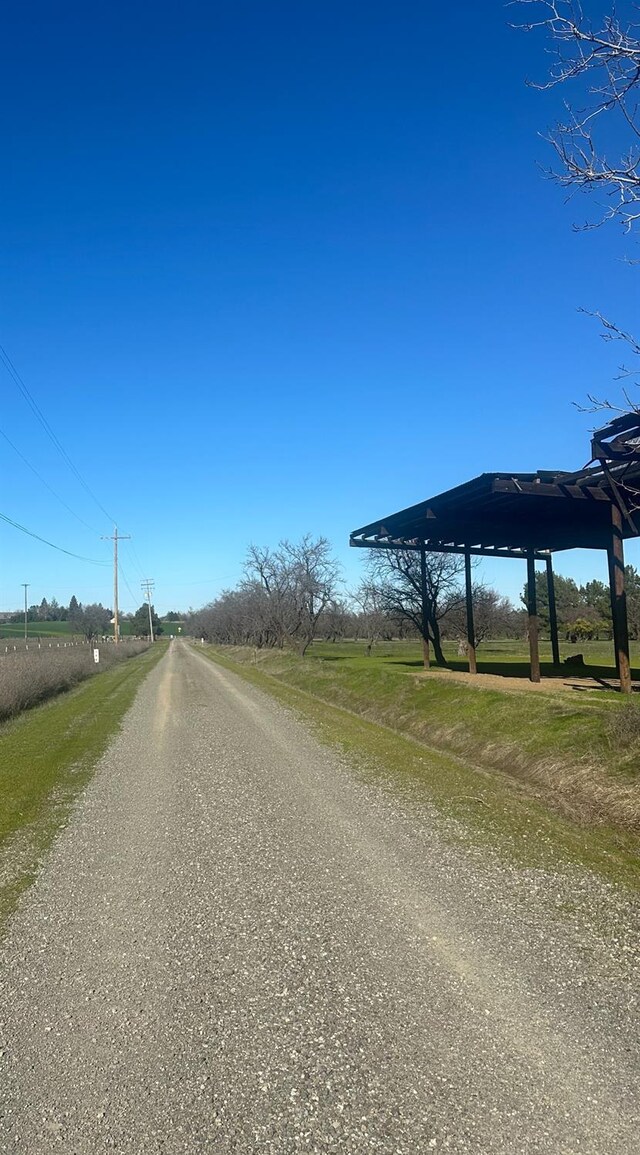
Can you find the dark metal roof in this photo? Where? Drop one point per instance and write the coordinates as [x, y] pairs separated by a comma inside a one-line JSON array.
[[506, 512]]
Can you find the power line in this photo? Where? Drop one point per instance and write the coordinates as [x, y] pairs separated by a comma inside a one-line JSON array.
[[30, 533], [26, 612], [207, 581], [46, 483], [131, 551], [35, 409], [124, 578], [134, 558]]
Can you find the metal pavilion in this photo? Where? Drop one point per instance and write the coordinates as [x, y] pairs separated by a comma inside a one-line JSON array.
[[531, 516]]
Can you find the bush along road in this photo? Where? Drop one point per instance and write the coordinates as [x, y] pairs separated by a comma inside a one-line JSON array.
[[242, 941]]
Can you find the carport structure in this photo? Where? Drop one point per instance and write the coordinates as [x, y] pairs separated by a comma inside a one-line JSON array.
[[530, 516]]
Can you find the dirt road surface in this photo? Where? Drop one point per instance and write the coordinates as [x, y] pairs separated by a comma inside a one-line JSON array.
[[241, 944]]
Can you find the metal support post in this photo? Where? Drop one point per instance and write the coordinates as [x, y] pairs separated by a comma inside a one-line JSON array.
[[553, 614], [532, 609], [615, 555], [471, 633], [426, 656]]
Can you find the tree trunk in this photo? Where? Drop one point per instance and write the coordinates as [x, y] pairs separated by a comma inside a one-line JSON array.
[[437, 644]]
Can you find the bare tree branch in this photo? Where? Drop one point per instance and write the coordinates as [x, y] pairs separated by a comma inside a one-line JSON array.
[[602, 62], [394, 579]]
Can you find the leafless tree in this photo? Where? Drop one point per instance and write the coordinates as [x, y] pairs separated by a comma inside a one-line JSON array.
[[373, 622], [314, 576], [335, 622], [492, 616], [600, 61], [267, 573], [597, 144], [299, 581], [396, 577]]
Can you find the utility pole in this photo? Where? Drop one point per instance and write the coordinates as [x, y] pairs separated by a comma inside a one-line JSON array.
[[26, 587], [147, 586], [115, 538]]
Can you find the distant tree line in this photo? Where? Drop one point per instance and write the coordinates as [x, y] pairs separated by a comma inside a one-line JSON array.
[[584, 611], [285, 594], [293, 594], [45, 612], [93, 620]]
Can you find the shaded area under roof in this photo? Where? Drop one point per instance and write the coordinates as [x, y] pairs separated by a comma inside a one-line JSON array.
[[514, 512]]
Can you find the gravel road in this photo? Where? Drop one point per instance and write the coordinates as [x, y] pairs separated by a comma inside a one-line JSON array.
[[241, 944]]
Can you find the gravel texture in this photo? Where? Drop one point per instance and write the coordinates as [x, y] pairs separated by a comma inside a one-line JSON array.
[[238, 944]]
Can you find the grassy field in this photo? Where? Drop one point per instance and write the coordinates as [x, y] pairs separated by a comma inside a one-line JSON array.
[[506, 657], [46, 758], [63, 631], [530, 768], [35, 630]]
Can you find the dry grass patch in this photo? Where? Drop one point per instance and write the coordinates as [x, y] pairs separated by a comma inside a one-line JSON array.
[[29, 677]]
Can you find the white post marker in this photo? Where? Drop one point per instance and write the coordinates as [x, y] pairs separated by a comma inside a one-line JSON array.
[[96, 655]]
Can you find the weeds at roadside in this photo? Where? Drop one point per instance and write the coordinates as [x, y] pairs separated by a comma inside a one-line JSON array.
[[623, 733], [28, 678]]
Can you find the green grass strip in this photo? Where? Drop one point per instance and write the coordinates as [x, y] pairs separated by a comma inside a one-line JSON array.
[[47, 756], [489, 808]]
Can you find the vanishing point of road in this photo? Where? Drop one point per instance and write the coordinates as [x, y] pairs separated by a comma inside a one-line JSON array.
[[242, 943]]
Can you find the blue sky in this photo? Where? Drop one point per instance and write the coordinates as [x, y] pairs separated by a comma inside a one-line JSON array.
[[277, 268]]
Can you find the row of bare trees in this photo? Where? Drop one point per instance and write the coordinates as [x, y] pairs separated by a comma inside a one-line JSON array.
[[293, 593], [282, 597]]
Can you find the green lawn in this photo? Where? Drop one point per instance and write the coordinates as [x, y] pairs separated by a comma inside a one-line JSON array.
[[63, 630], [35, 629], [506, 657]]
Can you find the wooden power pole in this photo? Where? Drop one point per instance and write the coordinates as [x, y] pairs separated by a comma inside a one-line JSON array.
[[26, 612], [147, 586], [115, 538]]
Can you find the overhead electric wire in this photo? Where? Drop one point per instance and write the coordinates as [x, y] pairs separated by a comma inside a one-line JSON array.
[[33, 405], [134, 558], [46, 483], [207, 581], [60, 549], [124, 578]]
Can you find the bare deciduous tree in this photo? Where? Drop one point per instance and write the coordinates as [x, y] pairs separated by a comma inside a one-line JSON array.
[[395, 576], [492, 616], [601, 62], [372, 621], [266, 573], [313, 576], [281, 601], [335, 622]]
